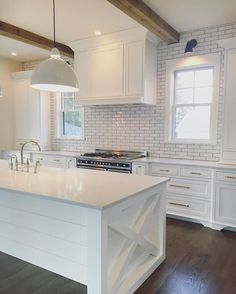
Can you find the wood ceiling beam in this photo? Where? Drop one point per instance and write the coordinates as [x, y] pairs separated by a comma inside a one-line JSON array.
[[147, 17], [27, 37]]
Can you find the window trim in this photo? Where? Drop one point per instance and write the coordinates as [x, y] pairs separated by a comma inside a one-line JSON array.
[[188, 63], [59, 120]]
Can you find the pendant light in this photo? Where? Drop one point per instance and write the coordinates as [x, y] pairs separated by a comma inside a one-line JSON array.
[[54, 74]]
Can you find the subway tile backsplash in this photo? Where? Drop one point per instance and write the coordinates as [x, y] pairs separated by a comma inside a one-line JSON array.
[[141, 127]]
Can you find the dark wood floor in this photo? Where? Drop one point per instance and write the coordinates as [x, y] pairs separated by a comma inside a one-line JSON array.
[[199, 261]]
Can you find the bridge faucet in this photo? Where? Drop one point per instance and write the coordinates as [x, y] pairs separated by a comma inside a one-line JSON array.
[[22, 149]]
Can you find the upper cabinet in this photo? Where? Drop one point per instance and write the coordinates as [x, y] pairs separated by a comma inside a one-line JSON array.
[[120, 68], [32, 112], [229, 120]]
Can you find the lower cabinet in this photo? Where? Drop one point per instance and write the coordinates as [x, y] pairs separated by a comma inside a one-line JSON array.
[[225, 204], [140, 169], [54, 161], [207, 195], [188, 191], [7, 154], [188, 207]]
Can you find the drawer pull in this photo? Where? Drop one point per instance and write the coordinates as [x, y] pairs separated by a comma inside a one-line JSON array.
[[165, 170], [179, 204], [40, 159], [195, 173], [230, 177], [56, 160], [179, 186]]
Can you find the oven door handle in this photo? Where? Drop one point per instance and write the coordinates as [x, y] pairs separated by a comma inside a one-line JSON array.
[[91, 167]]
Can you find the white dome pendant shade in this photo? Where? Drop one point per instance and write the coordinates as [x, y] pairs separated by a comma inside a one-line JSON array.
[[54, 75]]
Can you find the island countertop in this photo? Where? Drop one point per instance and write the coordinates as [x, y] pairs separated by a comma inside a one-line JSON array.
[[96, 189]]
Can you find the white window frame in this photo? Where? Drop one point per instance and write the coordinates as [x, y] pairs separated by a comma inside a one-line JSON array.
[[59, 110], [191, 63]]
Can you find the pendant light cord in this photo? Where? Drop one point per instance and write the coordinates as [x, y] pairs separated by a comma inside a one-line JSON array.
[[54, 25]]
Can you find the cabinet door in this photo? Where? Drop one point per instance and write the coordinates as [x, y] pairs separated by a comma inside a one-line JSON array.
[[225, 211], [70, 162], [134, 68], [21, 103], [101, 72], [83, 71], [229, 136], [107, 71], [34, 115], [139, 169]]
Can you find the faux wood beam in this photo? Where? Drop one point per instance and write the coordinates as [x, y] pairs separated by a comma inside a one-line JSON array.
[[144, 15], [22, 35]]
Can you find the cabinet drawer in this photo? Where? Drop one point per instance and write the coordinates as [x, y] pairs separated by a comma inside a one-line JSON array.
[[164, 170], [188, 207], [188, 187], [56, 161], [195, 173], [226, 176], [40, 158]]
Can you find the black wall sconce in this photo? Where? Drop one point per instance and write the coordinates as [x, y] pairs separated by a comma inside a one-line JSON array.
[[190, 45]]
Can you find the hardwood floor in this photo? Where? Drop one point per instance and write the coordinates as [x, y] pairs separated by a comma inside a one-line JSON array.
[[199, 261]]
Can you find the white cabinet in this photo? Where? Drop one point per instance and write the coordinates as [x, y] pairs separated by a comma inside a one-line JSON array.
[[100, 72], [203, 193], [188, 191], [7, 154], [32, 112], [70, 162], [54, 160], [225, 205], [225, 199], [117, 69], [140, 169], [229, 134]]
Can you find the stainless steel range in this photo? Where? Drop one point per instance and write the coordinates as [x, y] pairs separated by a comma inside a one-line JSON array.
[[109, 160]]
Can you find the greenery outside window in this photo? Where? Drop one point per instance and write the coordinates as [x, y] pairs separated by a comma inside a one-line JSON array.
[[70, 117]]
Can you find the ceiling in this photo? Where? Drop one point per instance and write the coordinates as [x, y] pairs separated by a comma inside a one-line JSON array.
[[24, 51], [187, 15], [78, 19], [75, 19]]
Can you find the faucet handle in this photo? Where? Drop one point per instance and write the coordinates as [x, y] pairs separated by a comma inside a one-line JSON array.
[[11, 156], [37, 163]]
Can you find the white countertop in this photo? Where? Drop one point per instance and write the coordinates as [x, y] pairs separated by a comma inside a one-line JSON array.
[[89, 188], [211, 164], [49, 152], [58, 153]]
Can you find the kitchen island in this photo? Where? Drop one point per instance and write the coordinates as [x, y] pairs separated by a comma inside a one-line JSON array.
[[104, 230]]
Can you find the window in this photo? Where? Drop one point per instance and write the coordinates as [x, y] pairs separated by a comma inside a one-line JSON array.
[[70, 117], [192, 105]]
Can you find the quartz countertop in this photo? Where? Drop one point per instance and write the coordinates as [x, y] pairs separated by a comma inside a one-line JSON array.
[[49, 152], [96, 189], [210, 164], [58, 153]]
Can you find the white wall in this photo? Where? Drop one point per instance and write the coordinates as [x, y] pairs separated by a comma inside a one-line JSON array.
[[140, 127], [7, 66]]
